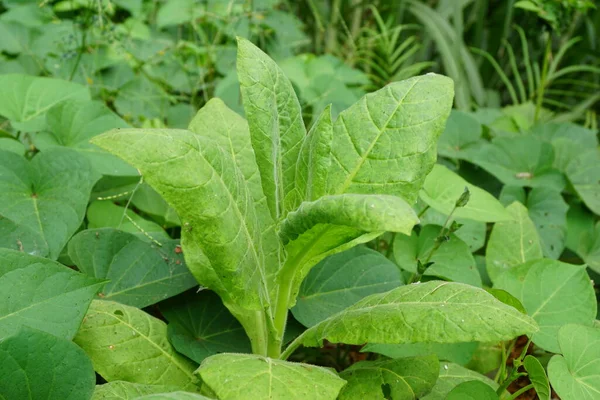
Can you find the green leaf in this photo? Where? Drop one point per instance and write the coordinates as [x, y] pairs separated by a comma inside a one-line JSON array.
[[72, 123], [452, 375], [548, 211], [121, 390], [575, 374], [554, 294], [584, 174], [459, 353], [401, 379], [10, 144], [472, 390], [259, 377], [462, 134], [140, 273], [276, 126], [451, 261], [580, 229], [148, 201], [486, 358], [385, 143], [341, 280], [26, 99], [520, 161], [47, 195], [127, 344], [315, 159], [472, 232], [200, 326], [44, 295], [512, 243], [537, 376], [141, 99], [173, 396], [36, 365], [442, 188], [435, 311]]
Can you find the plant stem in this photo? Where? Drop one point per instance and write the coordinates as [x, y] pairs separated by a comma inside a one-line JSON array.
[[519, 392], [280, 317], [331, 39], [542, 85]]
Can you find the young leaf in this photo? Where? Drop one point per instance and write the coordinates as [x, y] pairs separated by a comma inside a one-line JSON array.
[[472, 390], [440, 312], [452, 375], [42, 294], [122, 390], [127, 344], [512, 243], [442, 188], [140, 273], [341, 280], [537, 376], [574, 374], [47, 195], [401, 379], [554, 294], [385, 143], [25, 99], [276, 126], [259, 377], [36, 365], [200, 326]]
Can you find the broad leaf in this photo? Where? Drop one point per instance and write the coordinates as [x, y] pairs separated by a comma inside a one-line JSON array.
[[472, 390], [459, 353], [435, 311], [472, 232], [537, 376], [341, 280], [25, 99], [575, 375], [512, 243], [122, 390], [127, 344], [36, 365], [141, 99], [140, 273], [200, 326], [401, 379], [148, 201], [554, 294], [452, 375], [259, 377], [451, 261], [276, 126], [583, 171], [47, 196], [42, 294], [462, 135], [442, 188], [385, 143], [174, 396]]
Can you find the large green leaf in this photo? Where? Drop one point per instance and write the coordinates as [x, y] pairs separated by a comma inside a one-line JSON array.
[[472, 390], [459, 353], [127, 344], [462, 135], [512, 243], [583, 172], [400, 379], [452, 260], [435, 311], [341, 280], [200, 326], [173, 396], [442, 188], [140, 273], [122, 390], [141, 99], [25, 99], [575, 375], [42, 294], [386, 142], [452, 375], [36, 365], [554, 294], [249, 376], [47, 196], [276, 126], [73, 123]]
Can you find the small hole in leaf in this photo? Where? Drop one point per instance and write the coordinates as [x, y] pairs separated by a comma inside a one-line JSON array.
[[386, 390], [119, 312]]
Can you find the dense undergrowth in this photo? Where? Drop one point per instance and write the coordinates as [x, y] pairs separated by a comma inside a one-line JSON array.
[[292, 200]]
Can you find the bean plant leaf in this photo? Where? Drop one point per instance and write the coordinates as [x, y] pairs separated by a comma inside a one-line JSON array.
[[472, 390], [47, 196], [584, 174], [537, 376], [148, 201], [440, 312], [42, 294], [472, 232], [554, 294], [276, 126], [512, 243], [459, 353], [140, 273], [36, 365], [442, 188], [452, 375], [258, 377], [575, 374], [26, 99], [122, 390], [174, 396], [462, 135], [126, 344], [385, 143], [341, 280], [200, 326], [400, 379]]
